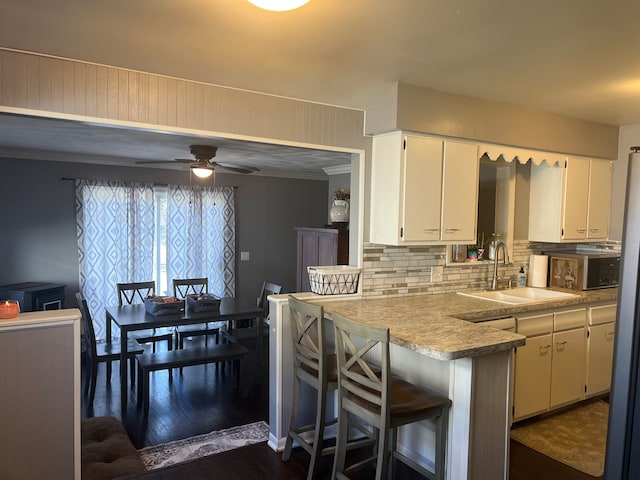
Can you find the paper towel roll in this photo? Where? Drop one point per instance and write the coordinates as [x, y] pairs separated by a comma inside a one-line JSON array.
[[538, 265]]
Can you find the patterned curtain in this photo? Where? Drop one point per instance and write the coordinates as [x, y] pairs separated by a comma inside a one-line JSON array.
[[201, 236], [115, 240]]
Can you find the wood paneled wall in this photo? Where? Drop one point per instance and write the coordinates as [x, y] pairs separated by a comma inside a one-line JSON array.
[[74, 89]]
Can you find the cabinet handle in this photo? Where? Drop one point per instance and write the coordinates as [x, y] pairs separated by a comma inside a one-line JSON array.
[[560, 345], [544, 349], [452, 230], [594, 230], [610, 334], [431, 230], [581, 230]]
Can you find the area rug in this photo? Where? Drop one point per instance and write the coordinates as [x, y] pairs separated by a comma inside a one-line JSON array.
[[576, 437], [203, 445]]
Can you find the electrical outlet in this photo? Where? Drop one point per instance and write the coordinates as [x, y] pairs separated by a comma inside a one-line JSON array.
[[437, 273], [244, 256]]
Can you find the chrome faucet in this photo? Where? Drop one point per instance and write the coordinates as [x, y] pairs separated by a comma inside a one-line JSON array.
[[494, 280]]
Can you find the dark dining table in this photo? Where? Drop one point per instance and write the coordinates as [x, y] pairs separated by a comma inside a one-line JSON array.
[[131, 318]]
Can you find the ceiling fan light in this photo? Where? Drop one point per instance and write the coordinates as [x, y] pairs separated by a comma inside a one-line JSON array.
[[278, 5], [202, 172]]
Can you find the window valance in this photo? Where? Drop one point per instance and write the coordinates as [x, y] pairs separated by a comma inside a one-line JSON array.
[[509, 154]]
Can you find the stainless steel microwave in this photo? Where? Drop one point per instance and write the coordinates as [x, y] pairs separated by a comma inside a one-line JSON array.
[[583, 271]]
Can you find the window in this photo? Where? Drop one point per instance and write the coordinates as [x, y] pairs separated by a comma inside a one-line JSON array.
[[160, 248], [496, 200], [138, 232]]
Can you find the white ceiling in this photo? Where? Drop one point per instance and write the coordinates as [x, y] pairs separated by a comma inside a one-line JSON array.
[[573, 57]]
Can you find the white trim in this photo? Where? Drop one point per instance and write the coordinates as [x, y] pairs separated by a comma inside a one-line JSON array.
[[337, 170]]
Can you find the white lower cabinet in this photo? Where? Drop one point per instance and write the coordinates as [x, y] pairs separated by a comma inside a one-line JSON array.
[[532, 378], [600, 341], [568, 365], [550, 367]]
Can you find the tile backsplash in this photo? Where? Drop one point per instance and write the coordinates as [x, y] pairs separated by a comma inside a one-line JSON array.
[[390, 271]]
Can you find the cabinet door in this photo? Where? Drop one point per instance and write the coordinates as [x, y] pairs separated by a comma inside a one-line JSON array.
[[568, 367], [314, 248], [422, 189], [327, 248], [460, 192], [600, 358], [599, 199], [576, 194], [532, 377], [545, 203]]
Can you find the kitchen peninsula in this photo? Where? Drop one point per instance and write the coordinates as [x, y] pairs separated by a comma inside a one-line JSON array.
[[437, 341]]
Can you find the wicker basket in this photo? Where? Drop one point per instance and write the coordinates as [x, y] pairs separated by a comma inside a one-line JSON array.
[[155, 306], [203, 303], [334, 280]]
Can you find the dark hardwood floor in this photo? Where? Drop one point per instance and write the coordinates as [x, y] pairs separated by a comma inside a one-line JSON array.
[[200, 400], [203, 399]]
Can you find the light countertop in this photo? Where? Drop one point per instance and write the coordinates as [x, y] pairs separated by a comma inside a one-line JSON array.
[[446, 326]]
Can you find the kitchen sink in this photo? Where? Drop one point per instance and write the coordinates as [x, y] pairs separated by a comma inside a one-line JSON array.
[[516, 296]]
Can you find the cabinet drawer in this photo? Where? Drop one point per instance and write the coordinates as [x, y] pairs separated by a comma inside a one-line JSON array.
[[569, 319], [508, 324], [535, 325], [602, 314]]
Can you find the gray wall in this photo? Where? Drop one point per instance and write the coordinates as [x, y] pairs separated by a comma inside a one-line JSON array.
[[411, 108], [38, 235]]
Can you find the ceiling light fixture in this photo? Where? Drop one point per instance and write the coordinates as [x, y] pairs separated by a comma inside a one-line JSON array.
[[202, 172], [278, 5]]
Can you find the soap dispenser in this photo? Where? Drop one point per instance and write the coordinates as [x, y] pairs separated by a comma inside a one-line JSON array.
[[522, 277]]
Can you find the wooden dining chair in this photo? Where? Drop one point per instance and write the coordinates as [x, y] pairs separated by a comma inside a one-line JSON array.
[[101, 352], [134, 293], [190, 286], [243, 331], [367, 391], [194, 286]]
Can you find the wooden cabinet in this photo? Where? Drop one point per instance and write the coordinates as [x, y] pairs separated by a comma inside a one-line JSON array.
[[40, 400], [424, 190], [576, 198], [550, 367], [319, 246], [599, 200], [570, 202], [568, 360], [532, 378], [600, 342]]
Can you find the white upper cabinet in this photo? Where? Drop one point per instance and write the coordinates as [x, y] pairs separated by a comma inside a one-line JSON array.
[[461, 168], [424, 190], [422, 178], [570, 202], [576, 195], [599, 200]]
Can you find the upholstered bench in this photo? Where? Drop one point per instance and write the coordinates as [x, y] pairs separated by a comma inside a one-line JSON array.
[[106, 450]]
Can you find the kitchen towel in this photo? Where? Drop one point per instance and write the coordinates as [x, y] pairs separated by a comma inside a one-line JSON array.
[[538, 265]]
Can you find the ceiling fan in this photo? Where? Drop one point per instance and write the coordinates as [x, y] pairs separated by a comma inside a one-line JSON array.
[[203, 166]]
